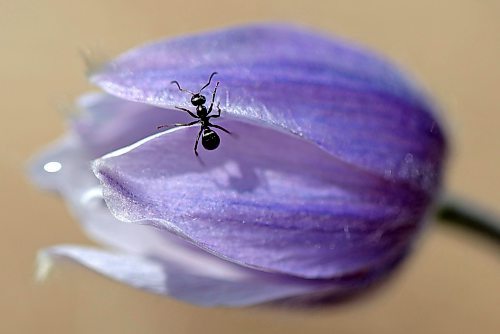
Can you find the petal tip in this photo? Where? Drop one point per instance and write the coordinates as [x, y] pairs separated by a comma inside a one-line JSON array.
[[44, 266]]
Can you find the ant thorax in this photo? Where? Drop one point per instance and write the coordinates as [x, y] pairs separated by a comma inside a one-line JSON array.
[[201, 111]]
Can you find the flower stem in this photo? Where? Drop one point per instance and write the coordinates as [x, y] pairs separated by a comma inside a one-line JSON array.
[[460, 212]]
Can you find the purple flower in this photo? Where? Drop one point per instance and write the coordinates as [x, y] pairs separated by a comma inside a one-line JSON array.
[[337, 159]]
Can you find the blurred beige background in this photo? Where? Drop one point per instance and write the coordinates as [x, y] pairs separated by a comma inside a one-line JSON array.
[[451, 284]]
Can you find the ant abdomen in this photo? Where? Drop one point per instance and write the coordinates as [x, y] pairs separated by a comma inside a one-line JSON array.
[[210, 140]]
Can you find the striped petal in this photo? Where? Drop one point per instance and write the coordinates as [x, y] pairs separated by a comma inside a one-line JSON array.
[[266, 200], [336, 160], [346, 100]]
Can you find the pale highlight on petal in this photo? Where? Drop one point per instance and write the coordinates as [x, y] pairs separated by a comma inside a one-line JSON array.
[[154, 276]]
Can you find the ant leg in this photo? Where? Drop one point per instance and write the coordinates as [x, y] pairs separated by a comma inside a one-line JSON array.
[[177, 125], [221, 128], [213, 98], [218, 112], [197, 140], [189, 112]]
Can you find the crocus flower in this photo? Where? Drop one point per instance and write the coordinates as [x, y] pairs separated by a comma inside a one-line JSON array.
[[335, 162]]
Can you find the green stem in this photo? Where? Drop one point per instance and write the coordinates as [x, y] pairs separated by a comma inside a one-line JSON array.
[[462, 213]]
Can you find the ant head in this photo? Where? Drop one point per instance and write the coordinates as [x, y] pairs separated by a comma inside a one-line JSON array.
[[198, 99]]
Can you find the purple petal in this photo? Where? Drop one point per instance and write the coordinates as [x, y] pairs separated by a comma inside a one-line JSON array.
[[342, 198], [179, 282], [103, 124], [107, 123], [348, 101], [286, 207], [152, 259]]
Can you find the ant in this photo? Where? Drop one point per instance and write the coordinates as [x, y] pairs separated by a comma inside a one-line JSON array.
[[209, 138]]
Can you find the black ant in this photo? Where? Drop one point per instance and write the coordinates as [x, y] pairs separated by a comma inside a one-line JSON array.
[[209, 138]]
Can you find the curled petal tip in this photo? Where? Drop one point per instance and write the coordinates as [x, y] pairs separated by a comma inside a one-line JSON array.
[[44, 265]]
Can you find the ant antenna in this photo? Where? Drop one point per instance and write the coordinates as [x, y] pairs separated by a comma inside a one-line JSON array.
[[208, 83], [182, 89]]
